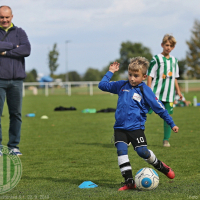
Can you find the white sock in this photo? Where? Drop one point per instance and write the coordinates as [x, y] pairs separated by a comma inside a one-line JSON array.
[[152, 159], [124, 163]]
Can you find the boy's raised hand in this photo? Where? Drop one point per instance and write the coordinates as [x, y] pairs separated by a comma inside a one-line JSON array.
[[175, 129], [114, 67]]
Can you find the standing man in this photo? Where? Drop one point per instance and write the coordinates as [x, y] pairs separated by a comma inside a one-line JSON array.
[[14, 46]]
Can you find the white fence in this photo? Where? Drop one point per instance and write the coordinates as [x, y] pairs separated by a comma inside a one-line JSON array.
[[194, 85], [87, 86], [66, 85]]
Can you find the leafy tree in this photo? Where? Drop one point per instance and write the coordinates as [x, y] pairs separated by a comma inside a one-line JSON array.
[[129, 50], [59, 76], [31, 76], [92, 75], [53, 58], [74, 76], [34, 72], [182, 68], [193, 55]]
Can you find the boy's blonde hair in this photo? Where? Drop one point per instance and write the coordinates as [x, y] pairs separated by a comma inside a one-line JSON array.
[[138, 63], [169, 38]]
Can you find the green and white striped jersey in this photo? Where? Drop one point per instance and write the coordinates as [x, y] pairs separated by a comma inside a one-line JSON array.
[[163, 71]]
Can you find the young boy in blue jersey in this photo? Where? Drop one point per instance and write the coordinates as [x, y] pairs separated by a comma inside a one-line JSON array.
[[134, 100]]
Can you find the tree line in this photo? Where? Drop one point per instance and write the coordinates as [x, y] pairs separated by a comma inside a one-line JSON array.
[[189, 66]]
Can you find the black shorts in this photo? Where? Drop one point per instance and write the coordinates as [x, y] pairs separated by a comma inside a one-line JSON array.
[[137, 137]]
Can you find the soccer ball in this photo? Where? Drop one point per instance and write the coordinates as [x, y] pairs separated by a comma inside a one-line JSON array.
[[146, 179]]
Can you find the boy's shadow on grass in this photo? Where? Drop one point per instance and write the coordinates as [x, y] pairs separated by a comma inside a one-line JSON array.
[[111, 145], [100, 182], [154, 145]]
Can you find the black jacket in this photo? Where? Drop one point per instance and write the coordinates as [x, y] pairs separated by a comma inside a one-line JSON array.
[[12, 65]]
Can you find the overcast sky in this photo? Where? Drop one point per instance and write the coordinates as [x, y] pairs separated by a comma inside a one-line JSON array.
[[96, 28]]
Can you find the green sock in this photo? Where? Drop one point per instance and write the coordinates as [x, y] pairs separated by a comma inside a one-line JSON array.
[[167, 131]]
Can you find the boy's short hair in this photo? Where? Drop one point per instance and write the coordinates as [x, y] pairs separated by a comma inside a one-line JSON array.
[[169, 38], [139, 63]]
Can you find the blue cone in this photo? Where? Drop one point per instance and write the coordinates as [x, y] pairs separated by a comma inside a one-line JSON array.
[[87, 184]]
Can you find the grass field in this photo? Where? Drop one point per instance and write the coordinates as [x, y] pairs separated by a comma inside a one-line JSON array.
[[71, 147]]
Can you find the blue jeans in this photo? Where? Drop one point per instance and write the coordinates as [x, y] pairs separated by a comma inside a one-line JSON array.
[[12, 91]]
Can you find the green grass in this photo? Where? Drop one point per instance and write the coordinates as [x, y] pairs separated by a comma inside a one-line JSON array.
[[71, 147]]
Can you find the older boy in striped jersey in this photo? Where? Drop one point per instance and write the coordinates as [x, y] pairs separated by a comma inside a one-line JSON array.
[[162, 78]]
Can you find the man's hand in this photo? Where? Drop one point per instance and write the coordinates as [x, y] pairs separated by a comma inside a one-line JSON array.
[[3, 53], [175, 129], [114, 67]]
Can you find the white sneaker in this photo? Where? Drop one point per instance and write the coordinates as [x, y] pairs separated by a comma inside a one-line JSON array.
[[15, 151], [166, 143]]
